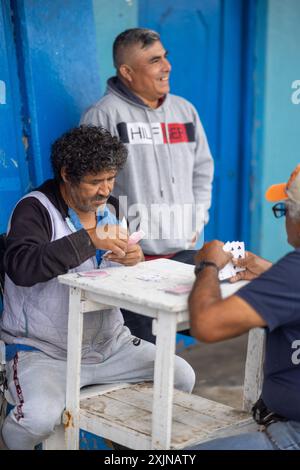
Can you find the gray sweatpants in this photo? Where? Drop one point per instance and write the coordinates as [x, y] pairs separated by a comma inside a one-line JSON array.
[[37, 384]]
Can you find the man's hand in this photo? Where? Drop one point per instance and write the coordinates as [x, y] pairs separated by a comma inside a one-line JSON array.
[[133, 256], [254, 267], [110, 237], [213, 251]]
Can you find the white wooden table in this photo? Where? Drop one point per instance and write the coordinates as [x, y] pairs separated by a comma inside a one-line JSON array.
[[140, 289]]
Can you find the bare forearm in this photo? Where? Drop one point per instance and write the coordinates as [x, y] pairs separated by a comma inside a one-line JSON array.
[[212, 318], [205, 293], [265, 264]]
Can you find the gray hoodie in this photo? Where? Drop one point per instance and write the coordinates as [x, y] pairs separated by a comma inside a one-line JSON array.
[[168, 174]]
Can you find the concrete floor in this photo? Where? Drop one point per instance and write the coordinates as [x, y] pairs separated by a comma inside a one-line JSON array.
[[219, 369]]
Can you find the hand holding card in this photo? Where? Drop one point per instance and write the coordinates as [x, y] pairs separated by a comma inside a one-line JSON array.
[[135, 237], [238, 251]]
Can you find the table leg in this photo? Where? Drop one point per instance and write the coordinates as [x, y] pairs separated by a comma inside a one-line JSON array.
[[163, 381], [71, 414]]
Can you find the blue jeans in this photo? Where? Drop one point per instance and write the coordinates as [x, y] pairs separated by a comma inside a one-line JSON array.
[[278, 436]]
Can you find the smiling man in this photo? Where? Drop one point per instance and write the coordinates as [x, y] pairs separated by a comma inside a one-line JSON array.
[[66, 225], [167, 178]]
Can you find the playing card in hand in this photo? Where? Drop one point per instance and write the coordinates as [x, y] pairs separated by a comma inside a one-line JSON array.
[[238, 251]]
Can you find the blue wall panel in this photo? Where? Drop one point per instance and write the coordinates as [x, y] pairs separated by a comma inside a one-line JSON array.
[[278, 130], [14, 180], [191, 32], [58, 70], [206, 40], [110, 19]]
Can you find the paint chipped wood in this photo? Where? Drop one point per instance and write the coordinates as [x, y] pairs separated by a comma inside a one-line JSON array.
[[128, 413]]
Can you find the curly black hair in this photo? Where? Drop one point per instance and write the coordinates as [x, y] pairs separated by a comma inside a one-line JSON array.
[[86, 150]]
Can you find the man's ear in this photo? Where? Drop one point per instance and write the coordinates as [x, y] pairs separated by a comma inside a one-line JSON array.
[[63, 174], [125, 71]]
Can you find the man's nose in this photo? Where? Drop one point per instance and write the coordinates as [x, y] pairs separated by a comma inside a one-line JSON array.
[[166, 65], [105, 189]]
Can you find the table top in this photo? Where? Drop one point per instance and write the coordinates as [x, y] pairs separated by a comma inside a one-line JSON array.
[[146, 284]]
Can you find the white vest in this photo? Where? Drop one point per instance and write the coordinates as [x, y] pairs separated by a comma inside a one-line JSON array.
[[38, 316]]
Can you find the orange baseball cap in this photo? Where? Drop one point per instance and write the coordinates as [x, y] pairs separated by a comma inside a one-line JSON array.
[[289, 190]]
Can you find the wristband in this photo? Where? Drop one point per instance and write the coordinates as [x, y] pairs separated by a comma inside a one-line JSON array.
[[199, 267]]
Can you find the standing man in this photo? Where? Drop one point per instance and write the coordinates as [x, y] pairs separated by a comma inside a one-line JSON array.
[[272, 301], [168, 175]]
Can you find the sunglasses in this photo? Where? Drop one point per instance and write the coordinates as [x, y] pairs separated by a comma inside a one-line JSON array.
[[279, 210]]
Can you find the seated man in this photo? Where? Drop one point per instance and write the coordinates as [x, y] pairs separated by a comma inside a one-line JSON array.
[[271, 300], [66, 226]]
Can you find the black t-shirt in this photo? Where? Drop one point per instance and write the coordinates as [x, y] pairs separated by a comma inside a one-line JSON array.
[[275, 295]]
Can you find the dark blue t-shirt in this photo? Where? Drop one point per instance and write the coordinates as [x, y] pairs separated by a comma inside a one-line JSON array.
[[275, 295]]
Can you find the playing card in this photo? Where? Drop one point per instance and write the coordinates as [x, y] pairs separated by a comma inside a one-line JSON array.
[[227, 272], [153, 277], [179, 289], [135, 237], [238, 251], [226, 246], [97, 273]]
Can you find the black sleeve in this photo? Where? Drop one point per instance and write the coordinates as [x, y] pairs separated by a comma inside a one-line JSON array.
[[30, 256]]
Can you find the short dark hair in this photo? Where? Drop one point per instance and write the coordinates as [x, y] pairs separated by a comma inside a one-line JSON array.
[[86, 150], [131, 37]]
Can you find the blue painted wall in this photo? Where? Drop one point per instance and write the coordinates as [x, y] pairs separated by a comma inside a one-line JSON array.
[[111, 17], [14, 178], [58, 71], [48, 76], [277, 120]]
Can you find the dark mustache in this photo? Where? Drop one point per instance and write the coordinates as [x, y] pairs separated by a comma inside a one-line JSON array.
[[100, 198]]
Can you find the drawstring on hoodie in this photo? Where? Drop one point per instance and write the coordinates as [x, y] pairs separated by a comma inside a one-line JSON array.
[[155, 154], [169, 149]]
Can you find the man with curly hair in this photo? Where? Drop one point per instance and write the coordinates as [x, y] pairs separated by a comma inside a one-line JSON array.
[[66, 225]]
